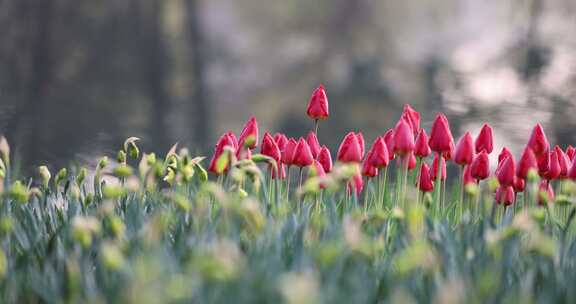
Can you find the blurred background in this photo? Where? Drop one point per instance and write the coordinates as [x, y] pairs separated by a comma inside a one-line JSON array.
[[78, 77]]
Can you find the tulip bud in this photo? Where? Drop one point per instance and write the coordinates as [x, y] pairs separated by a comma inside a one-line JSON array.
[[350, 150], [545, 193], [313, 143], [270, 148], [441, 139], [538, 141], [554, 169], [102, 163], [389, 140], [378, 154], [425, 183], [403, 138], [360, 138], [480, 167], [4, 151], [220, 159], [421, 148], [563, 162], [356, 185], [572, 171], [412, 117], [45, 176], [60, 176], [281, 140], [468, 179], [302, 155], [81, 176], [507, 172], [505, 195], [435, 168], [484, 141], [318, 105], [325, 159], [464, 152], [19, 193], [288, 152], [570, 152], [121, 157], [527, 162], [368, 170], [249, 135]]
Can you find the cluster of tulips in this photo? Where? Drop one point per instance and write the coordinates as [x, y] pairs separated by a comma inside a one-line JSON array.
[[410, 145]]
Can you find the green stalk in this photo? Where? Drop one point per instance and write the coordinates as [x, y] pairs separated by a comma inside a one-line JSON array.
[[461, 194], [437, 186]]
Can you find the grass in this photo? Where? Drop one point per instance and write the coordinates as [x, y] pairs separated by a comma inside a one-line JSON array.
[[152, 230]]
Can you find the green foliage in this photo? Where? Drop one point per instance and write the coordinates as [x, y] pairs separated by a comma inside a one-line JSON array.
[[165, 233]]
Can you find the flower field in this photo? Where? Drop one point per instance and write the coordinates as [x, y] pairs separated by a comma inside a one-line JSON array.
[[269, 219]]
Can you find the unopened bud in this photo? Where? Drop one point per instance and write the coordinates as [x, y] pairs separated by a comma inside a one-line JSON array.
[[44, 175]]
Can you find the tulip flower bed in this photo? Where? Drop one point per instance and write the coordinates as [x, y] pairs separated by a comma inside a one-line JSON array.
[[277, 220]]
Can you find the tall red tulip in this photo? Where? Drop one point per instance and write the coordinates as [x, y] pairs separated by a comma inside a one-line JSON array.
[[554, 169], [318, 105], [411, 161], [412, 117], [484, 141], [505, 195], [356, 185], [403, 138], [563, 161], [543, 162], [361, 142], [378, 155], [527, 162], [570, 152], [506, 172], [270, 148], [435, 168], [288, 152], [464, 153], [505, 153], [389, 140], [302, 154], [421, 148], [313, 143], [468, 179], [224, 141], [441, 140], [425, 183], [519, 184], [281, 140], [350, 150], [325, 159], [233, 139], [368, 170], [249, 135], [538, 141], [480, 167]]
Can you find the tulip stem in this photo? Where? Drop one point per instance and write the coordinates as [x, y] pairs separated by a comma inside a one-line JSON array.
[[288, 184], [405, 161], [316, 127], [437, 186], [461, 194], [383, 185]]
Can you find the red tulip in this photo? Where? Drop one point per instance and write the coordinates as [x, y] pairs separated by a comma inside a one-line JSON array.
[[411, 161], [519, 184], [249, 136], [538, 141], [554, 169], [484, 141], [505, 195], [350, 150], [378, 155], [368, 170], [480, 167], [562, 161], [464, 153], [425, 183], [570, 152], [313, 143], [543, 162], [545, 193], [527, 162], [317, 170], [318, 106], [448, 154], [506, 172], [572, 171], [356, 185], [270, 148], [281, 140], [441, 140], [233, 139], [389, 140], [505, 153], [302, 154], [288, 152], [403, 138], [412, 118], [421, 148], [468, 179], [435, 168], [325, 159], [224, 141], [360, 138]]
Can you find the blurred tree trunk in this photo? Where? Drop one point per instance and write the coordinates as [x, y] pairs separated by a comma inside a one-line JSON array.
[[40, 77], [201, 119], [152, 48]]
